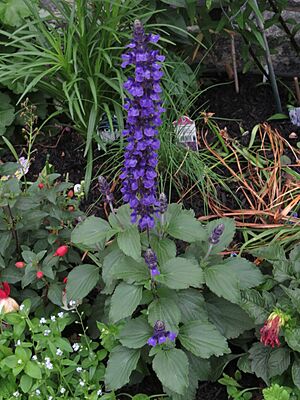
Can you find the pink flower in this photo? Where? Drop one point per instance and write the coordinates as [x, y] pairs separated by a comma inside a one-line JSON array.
[[269, 333], [61, 251], [39, 274], [20, 264], [7, 304]]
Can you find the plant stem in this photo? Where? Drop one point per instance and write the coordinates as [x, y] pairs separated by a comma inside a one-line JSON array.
[[268, 60], [233, 55], [14, 231]]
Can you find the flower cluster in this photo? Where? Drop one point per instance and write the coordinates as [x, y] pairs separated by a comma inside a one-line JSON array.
[[144, 109], [160, 334], [269, 333], [151, 261], [216, 234], [7, 304]]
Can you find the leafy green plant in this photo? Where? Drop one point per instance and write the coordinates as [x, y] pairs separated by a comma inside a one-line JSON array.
[[275, 304], [191, 295], [234, 388], [277, 392]]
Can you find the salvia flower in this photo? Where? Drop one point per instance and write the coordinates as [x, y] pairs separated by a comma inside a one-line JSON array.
[[7, 304], [151, 261], [216, 234], [144, 108], [61, 251], [269, 333], [163, 203], [105, 189], [160, 335]]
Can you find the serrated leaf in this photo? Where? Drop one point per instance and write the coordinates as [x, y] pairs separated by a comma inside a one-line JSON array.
[[130, 243], [171, 367], [296, 372], [124, 301], [180, 273], [192, 305], [135, 333], [293, 339], [122, 361], [222, 282], [203, 339], [130, 270], [164, 309], [91, 233], [230, 319], [81, 280], [183, 225], [163, 248]]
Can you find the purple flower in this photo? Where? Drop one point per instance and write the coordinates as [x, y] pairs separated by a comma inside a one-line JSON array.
[[151, 261], [163, 203], [216, 234], [160, 335], [105, 189], [144, 108]]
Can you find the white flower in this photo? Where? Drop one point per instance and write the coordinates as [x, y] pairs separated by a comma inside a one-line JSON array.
[[46, 332], [99, 393], [81, 382], [20, 361], [59, 352], [61, 314], [37, 392], [62, 390], [24, 167], [50, 398], [34, 357], [22, 307], [53, 318], [78, 369], [16, 394], [18, 342], [76, 346], [48, 363], [43, 321], [77, 188], [72, 303]]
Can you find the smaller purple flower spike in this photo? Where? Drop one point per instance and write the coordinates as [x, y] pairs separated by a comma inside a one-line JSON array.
[[151, 261], [160, 335], [105, 189], [163, 203], [216, 234]]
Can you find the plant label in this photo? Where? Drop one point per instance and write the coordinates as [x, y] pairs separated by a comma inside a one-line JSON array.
[[294, 114], [185, 131]]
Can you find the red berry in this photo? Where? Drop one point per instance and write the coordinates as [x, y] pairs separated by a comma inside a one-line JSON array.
[[70, 194], [20, 264], [61, 251], [41, 186], [39, 274]]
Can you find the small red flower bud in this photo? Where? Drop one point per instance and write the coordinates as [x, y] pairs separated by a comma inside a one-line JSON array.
[[65, 280], [41, 186], [61, 251], [70, 194], [39, 274], [71, 208], [20, 264]]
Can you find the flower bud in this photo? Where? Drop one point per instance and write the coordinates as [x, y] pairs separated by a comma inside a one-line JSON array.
[[41, 186], [216, 234], [70, 194], [105, 189], [20, 264], [61, 251], [71, 208], [39, 274], [163, 203]]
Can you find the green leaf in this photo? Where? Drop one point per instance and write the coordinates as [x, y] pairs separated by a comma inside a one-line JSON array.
[[81, 280], [296, 372], [230, 319], [171, 367], [164, 309], [278, 116], [129, 270], [227, 235], [192, 305], [267, 362], [135, 333], [33, 370], [203, 339], [122, 217], [130, 243], [25, 383], [180, 273], [228, 278], [163, 248], [121, 363], [13, 12], [293, 339], [141, 397], [182, 224], [124, 301], [10, 361], [91, 233], [55, 293]]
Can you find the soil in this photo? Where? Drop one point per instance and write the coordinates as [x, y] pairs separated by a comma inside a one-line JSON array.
[[254, 104]]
